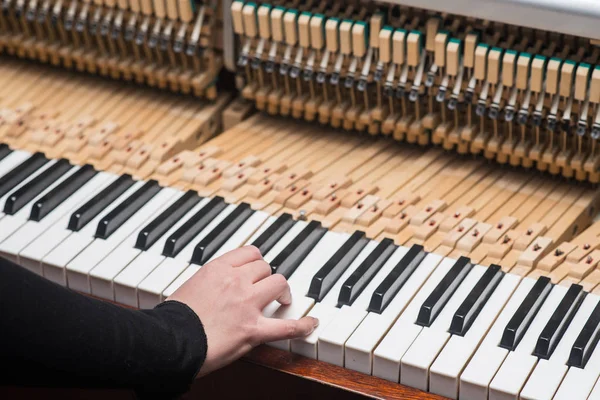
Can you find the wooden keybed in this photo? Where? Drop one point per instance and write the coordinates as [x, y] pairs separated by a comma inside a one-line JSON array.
[[266, 373]]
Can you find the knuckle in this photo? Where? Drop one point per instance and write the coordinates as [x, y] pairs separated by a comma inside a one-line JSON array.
[[265, 267], [254, 251], [279, 281]]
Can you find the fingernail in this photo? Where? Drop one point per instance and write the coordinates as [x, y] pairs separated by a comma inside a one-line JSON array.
[[315, 324]]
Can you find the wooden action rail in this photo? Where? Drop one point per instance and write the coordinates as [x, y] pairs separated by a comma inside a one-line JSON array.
[[88, 120]]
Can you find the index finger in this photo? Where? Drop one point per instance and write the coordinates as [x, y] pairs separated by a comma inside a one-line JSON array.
[[242, 256]]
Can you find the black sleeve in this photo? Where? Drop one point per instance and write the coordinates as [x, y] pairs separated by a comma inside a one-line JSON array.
[[51, 336]]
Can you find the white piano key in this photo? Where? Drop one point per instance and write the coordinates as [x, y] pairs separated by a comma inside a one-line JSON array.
[[188, 251], [595, 395], [300, 282], [55, 262], [445, 371], [307, 346], [24, 182], [101, 284], [476, 378], [12, 160], [422, 353], [126, 282], [578, 383], [326, 310], [387, 355], [151, 288], [260, 230], [102, 275], [362, 343], [31, 230], [548, 374], [237, 240], [333, 338], [31, 256], [11, 224], [285, 240], [79, 268], [300, 279], [517, 366], [256, 223], [512, 375]]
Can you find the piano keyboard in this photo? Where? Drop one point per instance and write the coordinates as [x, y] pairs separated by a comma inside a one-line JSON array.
[[441, 324]]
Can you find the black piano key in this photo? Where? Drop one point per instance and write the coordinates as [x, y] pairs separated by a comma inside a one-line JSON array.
[[60, 193], [365, 272], [128, 207], [4, 151], [165, 221], [182, 237], [18, 174], [296, 251], [518, 324], [274, 233], [559, 322], [391, 285], [586, 342], [18, 199], [468, 311], [326, 277], [220, 234], [444, 290], [293, 244], [99, 203]]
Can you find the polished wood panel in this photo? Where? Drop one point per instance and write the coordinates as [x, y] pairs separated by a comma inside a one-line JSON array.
[[333, 375], [265, 373]]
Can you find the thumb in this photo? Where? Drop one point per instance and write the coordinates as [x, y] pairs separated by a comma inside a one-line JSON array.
[[272, 329]]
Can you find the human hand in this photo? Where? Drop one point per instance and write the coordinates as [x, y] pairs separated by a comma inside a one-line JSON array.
[[228, 294]]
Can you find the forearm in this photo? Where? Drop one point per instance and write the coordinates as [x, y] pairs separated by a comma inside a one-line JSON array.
[[55, 337]]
